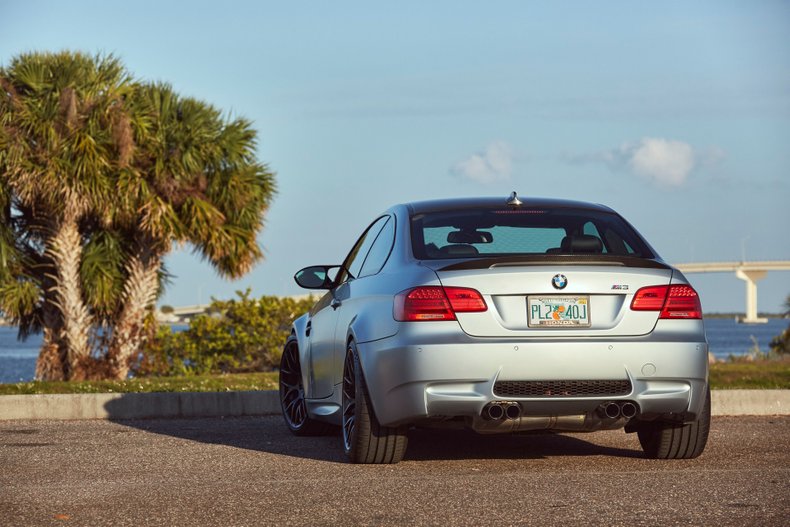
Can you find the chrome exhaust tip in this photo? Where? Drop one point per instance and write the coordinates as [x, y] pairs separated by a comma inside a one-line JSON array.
[[513, 411], [610, 410], [628, 410], [493, 412]]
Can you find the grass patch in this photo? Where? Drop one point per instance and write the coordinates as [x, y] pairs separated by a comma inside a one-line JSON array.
[[198, 383], [757, 374]]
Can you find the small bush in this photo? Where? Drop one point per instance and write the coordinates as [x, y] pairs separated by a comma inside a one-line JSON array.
[[240, 335], [780, 344]]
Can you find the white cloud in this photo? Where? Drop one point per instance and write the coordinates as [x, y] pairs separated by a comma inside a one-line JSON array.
[[663, 162], [492, 165]]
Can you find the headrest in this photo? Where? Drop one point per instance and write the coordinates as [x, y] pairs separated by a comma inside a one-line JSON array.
[[582, 243]]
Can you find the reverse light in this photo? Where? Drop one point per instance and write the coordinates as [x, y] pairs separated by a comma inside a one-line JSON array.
[[674, 301], [430, 303]]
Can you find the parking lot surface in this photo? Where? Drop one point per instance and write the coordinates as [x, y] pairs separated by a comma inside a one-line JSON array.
[[251, 471]]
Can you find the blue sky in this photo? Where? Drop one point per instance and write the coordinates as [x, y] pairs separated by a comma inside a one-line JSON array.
[[675, 114]]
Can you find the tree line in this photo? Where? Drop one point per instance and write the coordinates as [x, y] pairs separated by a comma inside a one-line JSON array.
[[101, 174]]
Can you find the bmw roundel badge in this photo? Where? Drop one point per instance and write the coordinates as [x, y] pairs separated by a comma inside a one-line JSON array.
[[559, 281]]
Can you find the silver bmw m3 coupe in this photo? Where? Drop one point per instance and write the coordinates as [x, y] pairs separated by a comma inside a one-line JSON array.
[[501, 315]]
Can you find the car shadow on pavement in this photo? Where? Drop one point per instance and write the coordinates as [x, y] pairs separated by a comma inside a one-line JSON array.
[[425, 444], [269, 434]]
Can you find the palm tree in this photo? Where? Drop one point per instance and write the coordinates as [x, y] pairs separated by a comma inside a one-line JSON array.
[[195, 180], [99, 176], [61, 118]]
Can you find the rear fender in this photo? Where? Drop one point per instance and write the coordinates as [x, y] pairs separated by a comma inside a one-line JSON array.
[[299, 330]]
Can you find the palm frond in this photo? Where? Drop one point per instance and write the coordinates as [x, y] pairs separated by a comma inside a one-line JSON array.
[[101, 272]]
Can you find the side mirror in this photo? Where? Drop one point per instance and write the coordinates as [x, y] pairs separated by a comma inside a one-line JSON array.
[[317, 276]]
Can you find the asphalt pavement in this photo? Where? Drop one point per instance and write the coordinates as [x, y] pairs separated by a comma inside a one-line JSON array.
[[251, 471]]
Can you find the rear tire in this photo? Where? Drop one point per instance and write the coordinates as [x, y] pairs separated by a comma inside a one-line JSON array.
[[364, 439], [292, 400], [662, 440]]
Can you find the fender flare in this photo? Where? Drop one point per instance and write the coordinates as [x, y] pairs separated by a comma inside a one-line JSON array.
[[299, 330]]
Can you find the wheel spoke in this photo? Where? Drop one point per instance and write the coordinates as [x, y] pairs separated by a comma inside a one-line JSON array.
[[349, 400], [291, 394], [289, 386]]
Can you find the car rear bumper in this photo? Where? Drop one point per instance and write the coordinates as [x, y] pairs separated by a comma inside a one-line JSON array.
[[449, 374]]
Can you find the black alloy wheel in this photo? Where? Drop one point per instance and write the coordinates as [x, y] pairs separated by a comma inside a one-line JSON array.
[[349, 401], [292, 396]]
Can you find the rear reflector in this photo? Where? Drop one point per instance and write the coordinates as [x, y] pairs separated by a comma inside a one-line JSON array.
[[674, 301], [429, 303]]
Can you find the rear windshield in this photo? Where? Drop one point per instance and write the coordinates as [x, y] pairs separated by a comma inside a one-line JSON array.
[[505, 232]]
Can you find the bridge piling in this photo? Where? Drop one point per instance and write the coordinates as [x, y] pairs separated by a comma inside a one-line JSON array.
[[751, 278]]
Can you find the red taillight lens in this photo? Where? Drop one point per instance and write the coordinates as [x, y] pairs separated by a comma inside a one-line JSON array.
[[674, 301], [430, 303], [423, 303], [682, 302], [650, 298], [464, 300]]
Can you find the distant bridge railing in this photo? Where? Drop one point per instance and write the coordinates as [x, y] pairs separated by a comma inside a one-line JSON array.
[[749, 272]]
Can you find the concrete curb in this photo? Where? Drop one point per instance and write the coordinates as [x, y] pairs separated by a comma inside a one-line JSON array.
[[234, 404], [138, 405], [750, 402]]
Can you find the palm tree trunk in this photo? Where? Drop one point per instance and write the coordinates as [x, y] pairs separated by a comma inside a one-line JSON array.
[[140, 292], [51, 363], [66, 253]]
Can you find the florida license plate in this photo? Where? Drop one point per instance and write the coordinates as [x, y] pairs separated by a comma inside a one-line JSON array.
[[558, 311]]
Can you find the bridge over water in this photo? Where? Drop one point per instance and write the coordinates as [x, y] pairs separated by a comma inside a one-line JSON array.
[[750, 272]]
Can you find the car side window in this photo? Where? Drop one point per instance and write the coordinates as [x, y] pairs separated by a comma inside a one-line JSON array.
[[356, 257], [379, 251]]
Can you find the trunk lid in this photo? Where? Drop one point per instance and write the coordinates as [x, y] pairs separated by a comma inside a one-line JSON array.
[[602, 289]]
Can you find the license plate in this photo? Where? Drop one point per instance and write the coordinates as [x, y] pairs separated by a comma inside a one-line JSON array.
[[558, 311]]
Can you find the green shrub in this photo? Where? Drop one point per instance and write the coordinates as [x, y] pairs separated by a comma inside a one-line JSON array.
[[240, 335], [780, 345]]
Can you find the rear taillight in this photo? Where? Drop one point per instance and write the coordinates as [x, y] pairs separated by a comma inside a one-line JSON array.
[[464, 300], [650, 298], [682, 302], [674, 301], [429, 303]]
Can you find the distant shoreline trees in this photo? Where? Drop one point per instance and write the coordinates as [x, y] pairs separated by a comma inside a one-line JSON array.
[[100, 175], [243, 334]]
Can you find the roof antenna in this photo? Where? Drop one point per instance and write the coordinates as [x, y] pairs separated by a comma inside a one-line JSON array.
[[513, 200]]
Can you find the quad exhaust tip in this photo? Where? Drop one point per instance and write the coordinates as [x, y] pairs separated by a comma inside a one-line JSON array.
[[494, 411], [513, 411], [502, 410], [613, 410], [628, 410]]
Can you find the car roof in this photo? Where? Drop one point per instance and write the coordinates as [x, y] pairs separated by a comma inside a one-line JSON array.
[[419, 207]]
